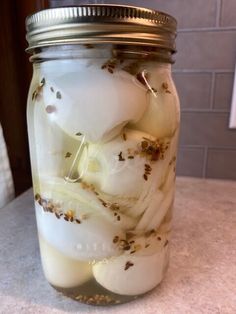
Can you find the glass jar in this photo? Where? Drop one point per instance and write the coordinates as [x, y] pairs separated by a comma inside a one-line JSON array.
[[103, 124]]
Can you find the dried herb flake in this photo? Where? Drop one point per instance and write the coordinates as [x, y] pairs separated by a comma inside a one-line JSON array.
[[128, 265]]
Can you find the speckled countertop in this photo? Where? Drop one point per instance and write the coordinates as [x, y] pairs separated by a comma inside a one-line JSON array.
[[202, 273]]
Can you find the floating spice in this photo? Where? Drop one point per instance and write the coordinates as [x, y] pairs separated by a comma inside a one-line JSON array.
[[49, 207], [166, 87], [121, 157], [128, 265], [147, 171], [124, 136], [103, 202], [52, 89], [78, 134], [153, 150], [115, 239], [67, 155], [114, 206], [130, 157], [126, 247], [58, 95], [166, 243], [38, 90], [124, 244], [110, 65], [97, 299]]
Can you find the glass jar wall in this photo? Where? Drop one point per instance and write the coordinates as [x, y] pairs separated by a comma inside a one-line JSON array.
[[103, 126]]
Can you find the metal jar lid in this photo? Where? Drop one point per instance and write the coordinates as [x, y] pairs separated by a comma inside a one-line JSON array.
[[97, 24]]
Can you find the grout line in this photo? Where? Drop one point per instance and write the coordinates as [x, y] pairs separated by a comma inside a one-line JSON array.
[[218, 12], [210, 110], [207, 29], [212, 90], [224, 148], [204, 168], [191, 146], [201, 71]]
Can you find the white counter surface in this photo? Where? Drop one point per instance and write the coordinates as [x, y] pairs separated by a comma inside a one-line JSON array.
[[202, 273]]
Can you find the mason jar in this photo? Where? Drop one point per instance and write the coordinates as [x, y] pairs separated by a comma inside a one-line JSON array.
[[103, 124]]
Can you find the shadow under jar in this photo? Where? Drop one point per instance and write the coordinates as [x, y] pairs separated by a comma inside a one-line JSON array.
[[103, 123]]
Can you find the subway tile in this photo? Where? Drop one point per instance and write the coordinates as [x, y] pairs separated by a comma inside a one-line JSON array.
[[207, 129], [206, 50], [221, 164], [194, 89], [189, 13], [190, 161], [223, 90], [228, 13]]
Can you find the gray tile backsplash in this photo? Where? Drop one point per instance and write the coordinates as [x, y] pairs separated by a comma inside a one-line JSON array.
[[223, 90], [206, 50], [203, 73], [206, 128], [228, 13], [221, 164], [191, 161], [194, 90]]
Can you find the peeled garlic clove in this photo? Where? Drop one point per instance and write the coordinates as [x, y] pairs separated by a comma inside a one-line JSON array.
[[60, 270], [91, 237], [131, 275], [109, 167], [94, 102]]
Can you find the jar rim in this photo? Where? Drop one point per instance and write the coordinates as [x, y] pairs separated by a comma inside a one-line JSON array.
[[101, 23]]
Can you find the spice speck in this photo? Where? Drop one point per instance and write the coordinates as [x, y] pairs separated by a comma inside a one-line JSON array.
[[58, 95], [67, 155], [128, 265]]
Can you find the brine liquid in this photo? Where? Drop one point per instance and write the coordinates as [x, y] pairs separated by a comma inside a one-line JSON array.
[[103, 137]]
